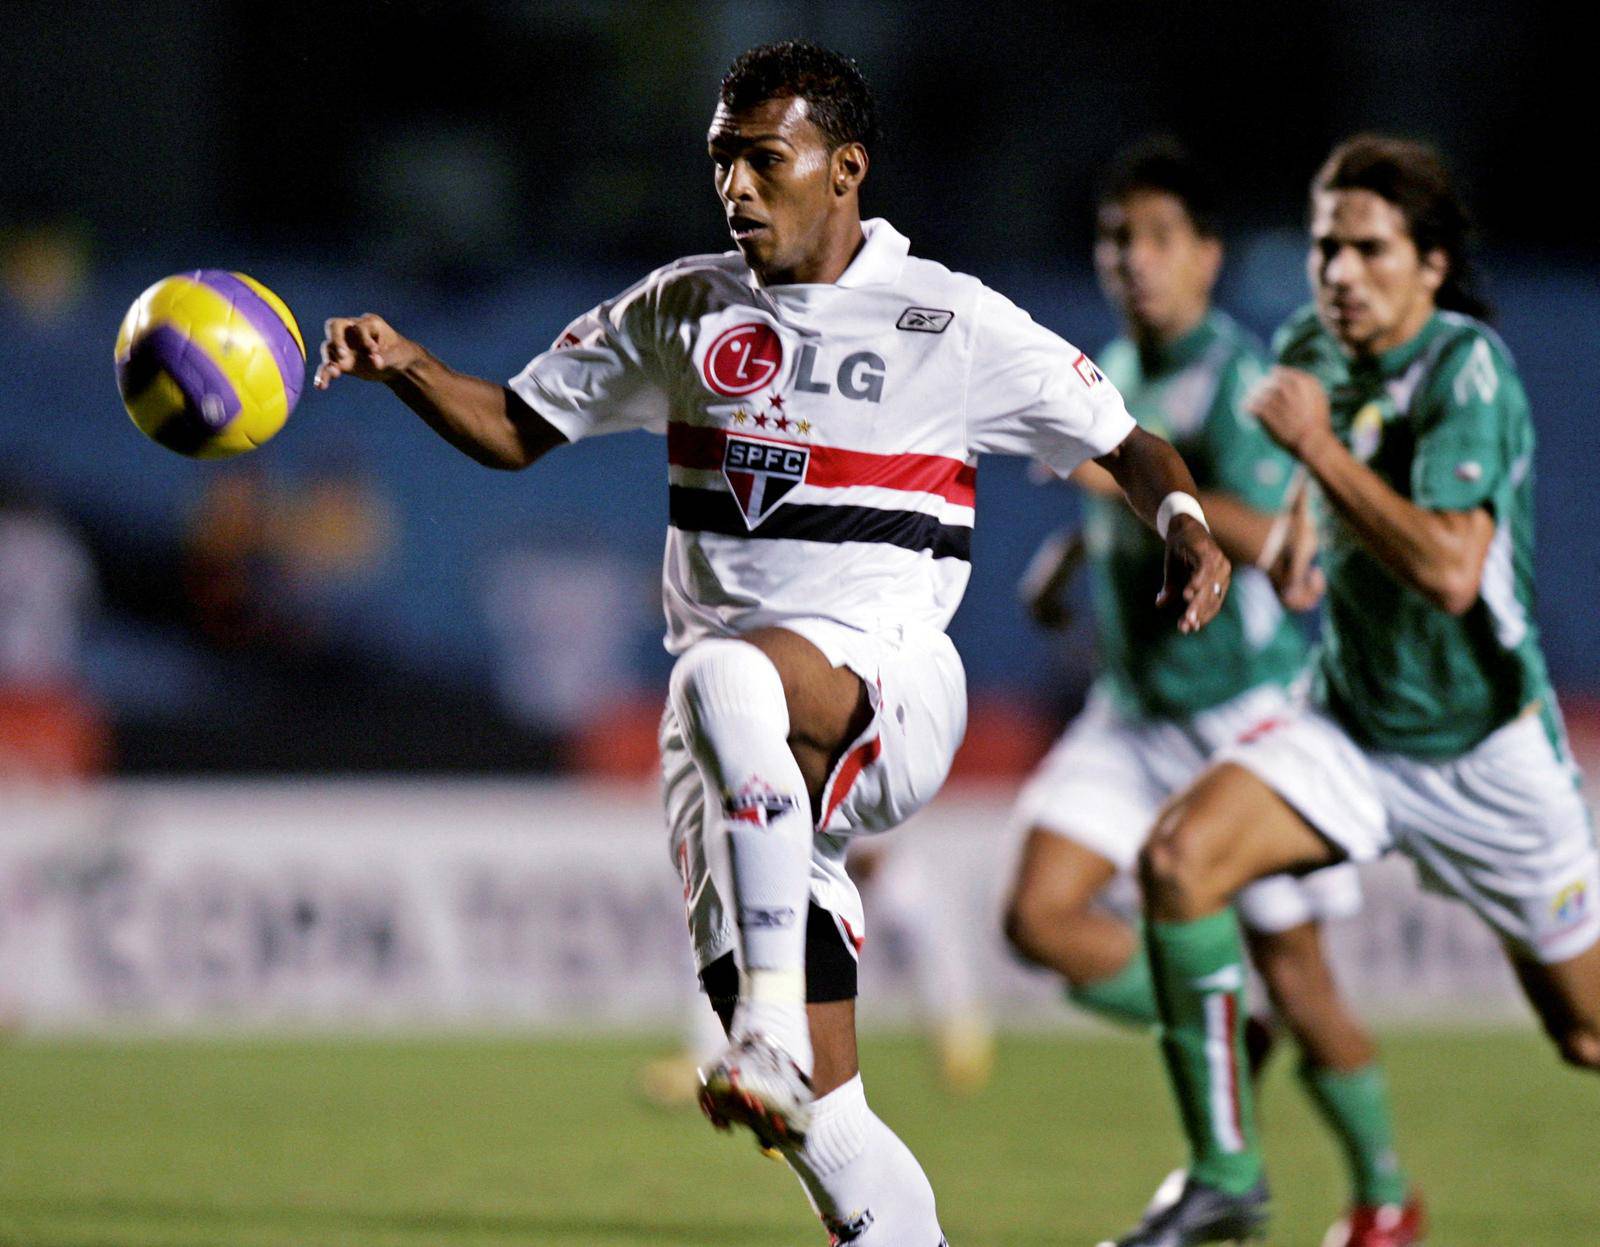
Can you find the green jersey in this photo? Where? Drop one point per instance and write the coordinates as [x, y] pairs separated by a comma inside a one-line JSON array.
[[1189, 393], [1443, 419]]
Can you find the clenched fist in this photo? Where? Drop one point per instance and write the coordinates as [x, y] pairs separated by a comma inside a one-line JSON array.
[[364, 346]]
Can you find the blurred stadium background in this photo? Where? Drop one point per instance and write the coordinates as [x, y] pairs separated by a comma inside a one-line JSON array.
[[353, 739]]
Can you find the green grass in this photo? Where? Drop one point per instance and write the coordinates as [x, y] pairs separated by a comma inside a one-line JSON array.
[[543, 1144]]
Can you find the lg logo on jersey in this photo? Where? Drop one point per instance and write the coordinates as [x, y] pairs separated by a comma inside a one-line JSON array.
[[749, 357], [743, 359], [860, 375]]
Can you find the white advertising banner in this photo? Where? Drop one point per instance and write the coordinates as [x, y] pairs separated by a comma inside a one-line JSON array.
[[353, 904]]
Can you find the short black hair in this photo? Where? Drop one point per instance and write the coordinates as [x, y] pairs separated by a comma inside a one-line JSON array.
[[841, 103], [1414, 178], [1163, 165]]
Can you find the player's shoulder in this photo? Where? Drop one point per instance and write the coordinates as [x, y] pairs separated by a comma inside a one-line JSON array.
[[696, 272], [1302, 338], [1235, 346], [1469, 364], [929, 285], [1460, 337]]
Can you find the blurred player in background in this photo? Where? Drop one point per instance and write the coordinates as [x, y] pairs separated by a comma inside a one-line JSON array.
[[51, 728], [824, 396], [1434, 728], [1166, 702]]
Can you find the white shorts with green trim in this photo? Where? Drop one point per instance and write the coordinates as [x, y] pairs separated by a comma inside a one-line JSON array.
[[917, 687], [1503, 827], [1106, 779]]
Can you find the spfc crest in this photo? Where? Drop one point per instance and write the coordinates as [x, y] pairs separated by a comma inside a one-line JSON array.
[[762, 473]]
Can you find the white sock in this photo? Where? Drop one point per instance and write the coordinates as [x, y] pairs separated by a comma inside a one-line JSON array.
[[862, 1180], [729, 700]]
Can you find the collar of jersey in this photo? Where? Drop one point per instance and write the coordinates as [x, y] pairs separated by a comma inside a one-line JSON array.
[[1172, 356], [878, 263], [1397, 359]]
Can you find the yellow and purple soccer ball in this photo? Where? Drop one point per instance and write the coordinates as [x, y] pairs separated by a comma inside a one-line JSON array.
[[210, 363]]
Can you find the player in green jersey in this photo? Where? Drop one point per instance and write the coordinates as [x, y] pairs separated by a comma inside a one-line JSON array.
[[1164, 704], [1434, 728]]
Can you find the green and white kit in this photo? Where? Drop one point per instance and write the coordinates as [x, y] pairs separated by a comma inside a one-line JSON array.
[[1166, 702], [1433, 733]]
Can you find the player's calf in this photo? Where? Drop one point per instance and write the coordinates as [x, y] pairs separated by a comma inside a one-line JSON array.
[[729, 699]]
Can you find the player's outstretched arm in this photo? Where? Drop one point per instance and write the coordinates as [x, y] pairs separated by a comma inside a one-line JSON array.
[[1438, 553], [1197, 574], [480, 418]]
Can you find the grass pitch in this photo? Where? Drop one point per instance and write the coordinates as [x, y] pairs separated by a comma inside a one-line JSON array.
[[537, 1143]]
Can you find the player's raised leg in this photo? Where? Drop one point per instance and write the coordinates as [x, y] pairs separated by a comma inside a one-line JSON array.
[[739, 703]]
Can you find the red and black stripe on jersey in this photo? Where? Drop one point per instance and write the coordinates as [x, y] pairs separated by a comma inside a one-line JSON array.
[[696, 509]]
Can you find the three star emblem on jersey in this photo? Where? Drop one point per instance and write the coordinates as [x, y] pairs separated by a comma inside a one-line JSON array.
[[762, 473], [741, 360]]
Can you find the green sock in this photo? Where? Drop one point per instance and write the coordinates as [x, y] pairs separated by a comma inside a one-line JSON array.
[[1356, 1107], [1127, 997], [1199, 979]]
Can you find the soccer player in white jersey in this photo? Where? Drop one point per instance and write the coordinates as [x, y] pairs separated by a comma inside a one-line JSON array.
[[824, 396], [1163, 702], [1434, 729]]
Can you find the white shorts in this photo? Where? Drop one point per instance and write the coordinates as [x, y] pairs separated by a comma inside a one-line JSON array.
[[1503, 827], [1107, 778], [918, 691]]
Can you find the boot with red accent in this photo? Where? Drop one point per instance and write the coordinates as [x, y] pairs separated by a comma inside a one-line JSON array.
[[1381, 1225]]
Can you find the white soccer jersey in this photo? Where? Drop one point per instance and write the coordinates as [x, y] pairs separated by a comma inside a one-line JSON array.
[[822, 439]]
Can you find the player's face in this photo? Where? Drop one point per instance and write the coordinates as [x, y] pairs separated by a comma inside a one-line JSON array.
[[1154, 266], [1374, 291], [779, 187]]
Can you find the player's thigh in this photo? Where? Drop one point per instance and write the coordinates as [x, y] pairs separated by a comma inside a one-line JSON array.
[[1056, 875], [828, 705], [1225, 830], [1504, 828]]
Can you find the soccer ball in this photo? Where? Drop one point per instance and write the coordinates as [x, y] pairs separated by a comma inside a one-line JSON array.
[[210, 363]]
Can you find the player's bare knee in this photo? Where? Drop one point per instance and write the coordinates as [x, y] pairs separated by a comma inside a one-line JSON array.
[[1174, 867]]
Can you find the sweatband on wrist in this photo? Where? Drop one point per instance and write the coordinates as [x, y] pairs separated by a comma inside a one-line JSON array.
[[1178, 503]]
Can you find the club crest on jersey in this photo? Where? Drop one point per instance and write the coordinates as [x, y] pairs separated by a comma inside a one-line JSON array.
[[1366, 431], [761, 473], [741, 360]]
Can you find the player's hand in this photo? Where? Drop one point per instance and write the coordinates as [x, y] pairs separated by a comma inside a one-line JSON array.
[[1043, 587], [1197, 573], [364, 346], [1293, 408], [1293, 569]]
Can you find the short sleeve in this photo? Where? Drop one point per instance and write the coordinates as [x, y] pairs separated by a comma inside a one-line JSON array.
[[599, 376], [1462, 420], [1032, 393], [1245, 462]]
